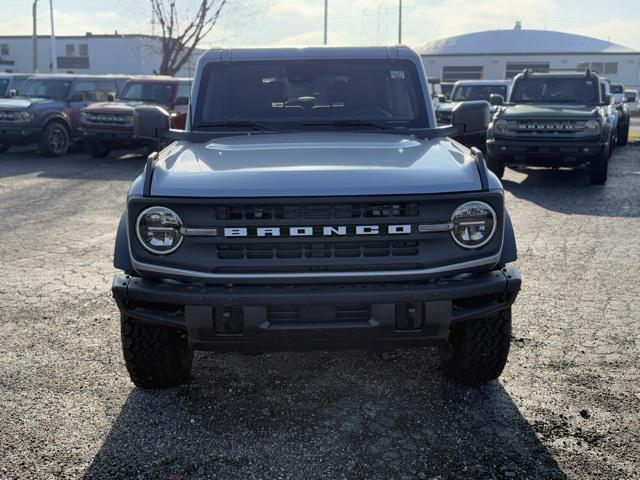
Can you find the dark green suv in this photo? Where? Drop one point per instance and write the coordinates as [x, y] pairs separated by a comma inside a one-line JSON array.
[[552, 120]]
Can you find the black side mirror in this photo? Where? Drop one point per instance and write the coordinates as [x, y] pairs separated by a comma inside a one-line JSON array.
[[111, 97], [442, 98], [471, 117], [182, 101], [496, 99], [13, 93], [151, 122]]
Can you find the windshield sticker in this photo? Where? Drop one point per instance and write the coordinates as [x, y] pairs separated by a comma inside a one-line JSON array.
[[397, 74]]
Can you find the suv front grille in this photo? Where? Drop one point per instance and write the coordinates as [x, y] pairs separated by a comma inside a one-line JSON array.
[[546, 126], [118, 119], [8, 116], [351, 249]]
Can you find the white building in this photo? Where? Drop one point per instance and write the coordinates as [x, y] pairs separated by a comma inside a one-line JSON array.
[[502, 54], [91, 54]]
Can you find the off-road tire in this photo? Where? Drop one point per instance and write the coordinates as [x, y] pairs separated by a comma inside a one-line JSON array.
[[494, 165], [55, 139], [598, 168], [96, 150], [155, 356], [623, 136], [4, 147], [477, 350]]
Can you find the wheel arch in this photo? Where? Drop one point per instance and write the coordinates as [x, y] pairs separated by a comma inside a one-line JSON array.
[[121, 255]]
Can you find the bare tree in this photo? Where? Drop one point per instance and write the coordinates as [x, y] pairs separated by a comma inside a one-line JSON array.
[[182, 31]]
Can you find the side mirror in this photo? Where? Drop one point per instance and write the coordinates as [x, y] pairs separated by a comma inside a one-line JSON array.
[[442, 98], [13, 93], [111, 97], [496, 99], [471, 117], [182, 101], [151, 122]]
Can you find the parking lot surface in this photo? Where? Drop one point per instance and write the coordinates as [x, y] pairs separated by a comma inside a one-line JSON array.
[[566, 406]]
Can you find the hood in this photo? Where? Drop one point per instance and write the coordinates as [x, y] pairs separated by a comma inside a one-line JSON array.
[[21, 103], [116, 107], [314, 164], [448, 107], [528, 111]]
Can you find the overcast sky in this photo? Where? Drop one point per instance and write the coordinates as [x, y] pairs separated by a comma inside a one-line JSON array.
[[353, 22]]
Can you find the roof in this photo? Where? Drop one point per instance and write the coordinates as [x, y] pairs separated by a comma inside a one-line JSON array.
[[484, 82], [72, 76], [309, 53], [519, 41]]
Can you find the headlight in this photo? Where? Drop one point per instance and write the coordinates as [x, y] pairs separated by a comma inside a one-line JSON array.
[[501, 126], [25, 116], [158, 230], [592, 127], [474, 224]]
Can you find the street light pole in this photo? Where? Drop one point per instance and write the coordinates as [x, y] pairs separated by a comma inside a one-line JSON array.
[[400, 22], [326, 19], [35, 37], [54, 60]]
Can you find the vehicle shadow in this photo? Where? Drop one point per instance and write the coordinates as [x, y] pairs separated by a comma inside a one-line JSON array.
[[322, 415], [568, 191], [119, 165]]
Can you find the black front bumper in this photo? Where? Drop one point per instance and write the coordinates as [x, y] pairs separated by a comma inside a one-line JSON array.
[[538, 152], [111, 138], [19, 135], [378, 316]]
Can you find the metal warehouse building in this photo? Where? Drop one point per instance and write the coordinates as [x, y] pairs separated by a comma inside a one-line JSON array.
[[502, 54]]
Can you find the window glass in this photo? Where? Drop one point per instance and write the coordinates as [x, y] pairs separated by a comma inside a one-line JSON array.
[[184, 90], [70, 50], [84, 50], [580, 90], [4, 86], [86, 91], [597, 67], [463, 93], [4, 49], [153, 92], [47, 88], [306, 91]]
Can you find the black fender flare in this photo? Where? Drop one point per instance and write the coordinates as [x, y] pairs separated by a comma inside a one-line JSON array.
[[121, 254], [509, 247]]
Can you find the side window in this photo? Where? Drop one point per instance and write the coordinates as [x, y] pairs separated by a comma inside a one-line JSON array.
[[85, 91], [106, 88], [184, 91]]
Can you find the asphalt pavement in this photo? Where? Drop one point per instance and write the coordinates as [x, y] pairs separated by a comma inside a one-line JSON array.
[[566, 407]]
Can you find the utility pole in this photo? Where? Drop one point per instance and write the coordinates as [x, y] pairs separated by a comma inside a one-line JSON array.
[[54, 59], [326, 19], [35, 36], [400, 22]]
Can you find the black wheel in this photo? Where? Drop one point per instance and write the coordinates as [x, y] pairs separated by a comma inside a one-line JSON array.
[[55, 140], [623, 136], [598, 168], [155, 356], [4, 147], [477, 350], [494, 165], [96, 150]]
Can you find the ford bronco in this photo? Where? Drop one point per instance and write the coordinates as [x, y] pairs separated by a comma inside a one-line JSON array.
[[11, 83], [313, 203], [109, 125], [47, 110], [553, 120]]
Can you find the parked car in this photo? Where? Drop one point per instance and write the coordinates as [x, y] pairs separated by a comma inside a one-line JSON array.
[[473, 90], [11, 83], [108, 125], [553, 120], [631, 99], [624, 116], [47, 111], [312, 202]]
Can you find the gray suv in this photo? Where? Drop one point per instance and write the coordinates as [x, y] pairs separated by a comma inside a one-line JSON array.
[[313, 203], [47, 111]]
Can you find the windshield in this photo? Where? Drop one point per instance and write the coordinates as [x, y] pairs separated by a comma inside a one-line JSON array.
[[464, 93], [155, 92], [4, 83], [617, 89], [582, 90], [46, 88], [312, 93]]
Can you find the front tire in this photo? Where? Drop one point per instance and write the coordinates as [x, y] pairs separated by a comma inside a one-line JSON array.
[[599, 168], [477, 350], [494, 165], [55, 140], [96, 150], [155, 356]]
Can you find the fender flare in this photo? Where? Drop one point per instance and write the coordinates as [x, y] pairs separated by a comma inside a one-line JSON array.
[[121, 255], [55, 116], [509, 247]]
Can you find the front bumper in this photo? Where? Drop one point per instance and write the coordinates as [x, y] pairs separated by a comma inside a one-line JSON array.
[[19, 134], [379, 316], [111, 137], [539, 152]]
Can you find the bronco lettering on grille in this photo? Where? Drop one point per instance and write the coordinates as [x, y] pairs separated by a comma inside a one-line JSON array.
[[319, 231]]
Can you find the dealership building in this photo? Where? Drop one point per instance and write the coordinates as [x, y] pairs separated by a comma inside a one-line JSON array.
[[502, 54], [91, 54]]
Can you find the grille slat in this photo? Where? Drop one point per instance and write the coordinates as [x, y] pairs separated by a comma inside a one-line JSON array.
[[283, 314]]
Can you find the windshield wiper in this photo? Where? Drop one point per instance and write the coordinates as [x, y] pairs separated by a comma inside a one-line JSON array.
[[253, 125], [349, 123]]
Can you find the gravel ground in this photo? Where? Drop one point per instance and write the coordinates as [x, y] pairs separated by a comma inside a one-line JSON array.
[[566, 407]]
